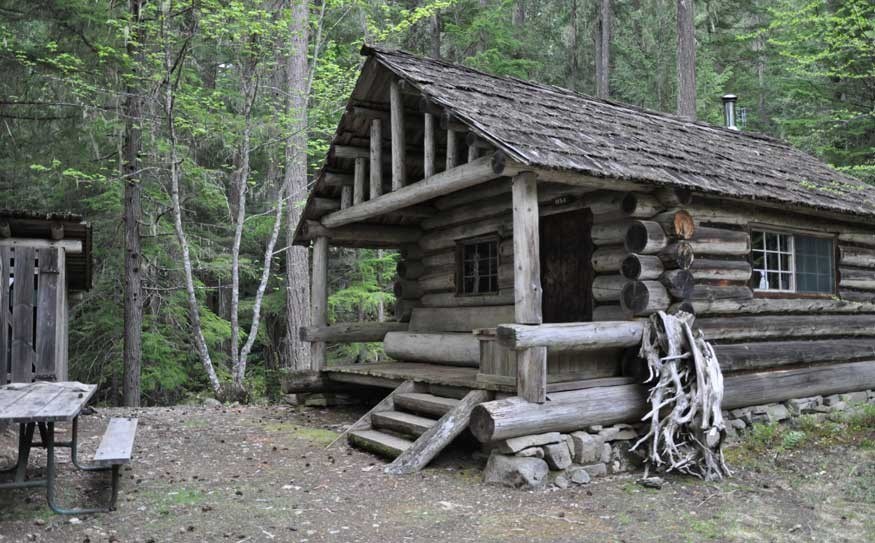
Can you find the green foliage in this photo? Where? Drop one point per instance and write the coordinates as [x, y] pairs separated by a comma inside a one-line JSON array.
[[804, 71]]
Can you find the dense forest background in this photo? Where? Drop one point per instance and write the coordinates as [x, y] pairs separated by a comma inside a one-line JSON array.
[[215, 98]]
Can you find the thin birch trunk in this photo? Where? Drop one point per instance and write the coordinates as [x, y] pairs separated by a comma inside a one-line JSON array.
[[193, 307]]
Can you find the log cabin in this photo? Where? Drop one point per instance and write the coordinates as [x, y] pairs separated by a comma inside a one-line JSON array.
[[45, 259], [537, 228]]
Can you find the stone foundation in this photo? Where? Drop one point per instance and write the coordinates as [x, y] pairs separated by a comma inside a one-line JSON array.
[[595, 451]]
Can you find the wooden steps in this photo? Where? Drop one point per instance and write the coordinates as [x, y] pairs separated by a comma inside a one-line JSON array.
[[401, 422], [381, 443], [413, 426], [426, 404]]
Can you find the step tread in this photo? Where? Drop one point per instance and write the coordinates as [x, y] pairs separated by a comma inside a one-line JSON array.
[[421, 402], [401, 421], [379, 442]]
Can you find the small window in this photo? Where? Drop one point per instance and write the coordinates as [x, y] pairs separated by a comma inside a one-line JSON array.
[[785, 262], [478, 267]]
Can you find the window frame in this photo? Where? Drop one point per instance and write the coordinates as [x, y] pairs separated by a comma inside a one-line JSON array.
[[793, 232], [460, 264]]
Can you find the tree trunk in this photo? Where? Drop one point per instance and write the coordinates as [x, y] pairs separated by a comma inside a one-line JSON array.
[[133, 212], [574, 46], [297, 262], [603, 62], [686, 60], [436, 35], [193, 308]]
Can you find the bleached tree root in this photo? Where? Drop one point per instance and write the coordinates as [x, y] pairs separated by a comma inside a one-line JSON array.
[[686, 423]]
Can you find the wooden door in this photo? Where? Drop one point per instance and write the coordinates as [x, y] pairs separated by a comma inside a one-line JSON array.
[[566, 266]]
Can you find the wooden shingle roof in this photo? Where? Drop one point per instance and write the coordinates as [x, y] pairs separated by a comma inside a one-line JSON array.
[[551, 127]]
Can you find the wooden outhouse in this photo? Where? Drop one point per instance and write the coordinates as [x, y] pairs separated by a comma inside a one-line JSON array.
[[44, 258], [537, 227]]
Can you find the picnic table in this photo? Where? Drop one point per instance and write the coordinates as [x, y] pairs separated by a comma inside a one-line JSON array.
[[40, 405]]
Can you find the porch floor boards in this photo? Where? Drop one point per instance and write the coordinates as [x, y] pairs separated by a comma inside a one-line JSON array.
[[391, 374]]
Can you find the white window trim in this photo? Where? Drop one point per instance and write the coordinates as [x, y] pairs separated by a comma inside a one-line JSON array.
[[791, 251]]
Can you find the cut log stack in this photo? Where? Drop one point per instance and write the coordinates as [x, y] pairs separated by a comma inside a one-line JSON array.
[[649, 256], [856, 273]]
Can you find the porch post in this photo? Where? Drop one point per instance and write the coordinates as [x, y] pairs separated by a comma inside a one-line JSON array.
[[319, 298], [532, 362]]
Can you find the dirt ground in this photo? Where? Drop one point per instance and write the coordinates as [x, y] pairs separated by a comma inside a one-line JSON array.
[[263, 474]]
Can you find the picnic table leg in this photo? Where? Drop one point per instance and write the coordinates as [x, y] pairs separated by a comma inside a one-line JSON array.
[[14, 467], [25, 440], [74, 450], [51, 475]]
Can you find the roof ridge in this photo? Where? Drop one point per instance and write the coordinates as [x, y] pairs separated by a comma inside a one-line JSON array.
[[368, 50]]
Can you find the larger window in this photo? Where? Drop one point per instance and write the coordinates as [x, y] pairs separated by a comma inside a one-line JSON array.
[[784, 262], [478, 266]]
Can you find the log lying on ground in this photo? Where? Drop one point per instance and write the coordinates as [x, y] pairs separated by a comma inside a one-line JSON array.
[[678, 283], [751, 327], [449, 349], [719, 241], [574, 410], [573, 336], [608, 288], [779, 306], [857, 278], [351, 332], [641, 267], [721, 270], [760, 355], [646, 237], [644, 297]]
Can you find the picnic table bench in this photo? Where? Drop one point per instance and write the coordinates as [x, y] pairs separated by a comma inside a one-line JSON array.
[[40, 405]]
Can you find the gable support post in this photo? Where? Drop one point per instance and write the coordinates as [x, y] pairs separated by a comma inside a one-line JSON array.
[[452, 149], [532, 362], [376, 157], [428, 150], [396, 109], [358, 182], [319, 298]]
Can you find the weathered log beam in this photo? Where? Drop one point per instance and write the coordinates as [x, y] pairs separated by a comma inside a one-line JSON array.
[[351, 332], [759, 355], [526, 259], [608, 288], [608, 259], [449, 349], [532, 374], [644, 297], [308, 381], [710, 293], [755, 327], [319, 299], [646, 237], [320, 206], [458, 178], [336, 179], [780, 306], [375, 157], [678, 255], [363, 234], [719, 241], [678, 224], [573, 410], [409, 269], [610, 233], [857, 278], [70, 246], [569, 337], [641, 267], [678, 283], [856, 256], [721, 270], [640, 205]]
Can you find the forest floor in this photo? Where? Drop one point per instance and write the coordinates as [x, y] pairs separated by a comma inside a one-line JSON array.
[[263, 474]]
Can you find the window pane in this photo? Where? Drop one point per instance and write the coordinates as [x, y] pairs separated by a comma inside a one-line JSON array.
[[479, 267], [757, 240], [814, 264], [771, 241]]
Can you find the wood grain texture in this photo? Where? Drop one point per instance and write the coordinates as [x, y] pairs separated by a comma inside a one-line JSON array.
[[117, 444], [526, 254]]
